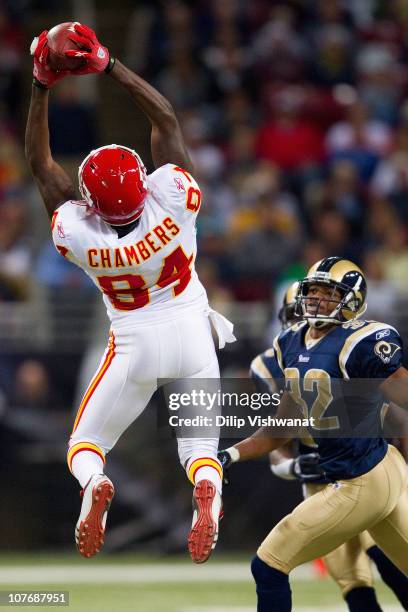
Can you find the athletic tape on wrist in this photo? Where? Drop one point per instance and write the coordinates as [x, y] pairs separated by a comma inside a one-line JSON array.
[[234, 454]]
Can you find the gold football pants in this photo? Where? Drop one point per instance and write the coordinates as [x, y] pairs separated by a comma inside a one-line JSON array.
[[376, 501]]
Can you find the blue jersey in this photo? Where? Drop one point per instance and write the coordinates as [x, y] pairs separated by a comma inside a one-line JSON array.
[[309, 369]]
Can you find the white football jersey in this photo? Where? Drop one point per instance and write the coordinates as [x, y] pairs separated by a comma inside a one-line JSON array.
[[150, 272]]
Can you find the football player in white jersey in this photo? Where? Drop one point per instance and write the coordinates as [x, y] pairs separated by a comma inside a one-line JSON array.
[[134, 235]]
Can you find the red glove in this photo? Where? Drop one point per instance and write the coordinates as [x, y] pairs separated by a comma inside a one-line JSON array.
[[42, 70], [96, 55]]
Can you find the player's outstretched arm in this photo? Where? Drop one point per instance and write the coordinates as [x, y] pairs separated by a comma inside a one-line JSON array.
[[53, 182], [258, 445], [167, 141], [265, 439]]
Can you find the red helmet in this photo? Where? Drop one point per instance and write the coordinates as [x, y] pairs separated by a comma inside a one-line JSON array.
[[112, 180]]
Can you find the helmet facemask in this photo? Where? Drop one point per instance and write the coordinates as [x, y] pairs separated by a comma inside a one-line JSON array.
[[347, 307]]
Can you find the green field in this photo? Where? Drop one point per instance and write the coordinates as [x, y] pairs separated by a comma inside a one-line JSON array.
[[164, 597], [129, 583]]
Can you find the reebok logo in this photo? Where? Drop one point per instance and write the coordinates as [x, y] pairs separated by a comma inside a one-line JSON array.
[[303, 359], [382, 334]]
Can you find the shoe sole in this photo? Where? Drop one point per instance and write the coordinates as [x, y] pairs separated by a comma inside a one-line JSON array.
[[91, 530], [203, 534]]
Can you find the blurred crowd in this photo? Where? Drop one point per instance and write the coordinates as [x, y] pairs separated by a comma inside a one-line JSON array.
[[296, 117]]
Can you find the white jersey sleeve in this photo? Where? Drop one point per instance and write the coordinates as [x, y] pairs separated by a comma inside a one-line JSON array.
[[177, 191]]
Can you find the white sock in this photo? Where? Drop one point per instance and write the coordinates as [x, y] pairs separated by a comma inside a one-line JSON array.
[[84, 465], [209, 473]]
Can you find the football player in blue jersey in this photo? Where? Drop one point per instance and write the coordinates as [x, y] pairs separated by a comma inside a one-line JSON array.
[[349, 564], [367, 477]]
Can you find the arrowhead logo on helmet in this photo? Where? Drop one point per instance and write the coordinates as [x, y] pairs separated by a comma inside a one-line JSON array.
[[113, 181]]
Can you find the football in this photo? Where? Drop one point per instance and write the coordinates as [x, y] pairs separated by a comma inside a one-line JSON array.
[[59, 42]]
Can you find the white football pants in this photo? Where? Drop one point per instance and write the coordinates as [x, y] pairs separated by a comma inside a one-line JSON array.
[[127, 378]]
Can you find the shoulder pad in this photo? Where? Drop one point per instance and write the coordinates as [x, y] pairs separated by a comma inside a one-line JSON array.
[[369, 328], [259, 368], [176, 190]]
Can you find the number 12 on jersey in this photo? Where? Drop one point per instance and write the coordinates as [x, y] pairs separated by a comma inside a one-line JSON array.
[[129, 291]]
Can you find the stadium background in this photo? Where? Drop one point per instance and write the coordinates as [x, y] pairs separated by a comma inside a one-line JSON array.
[[296, 117]]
